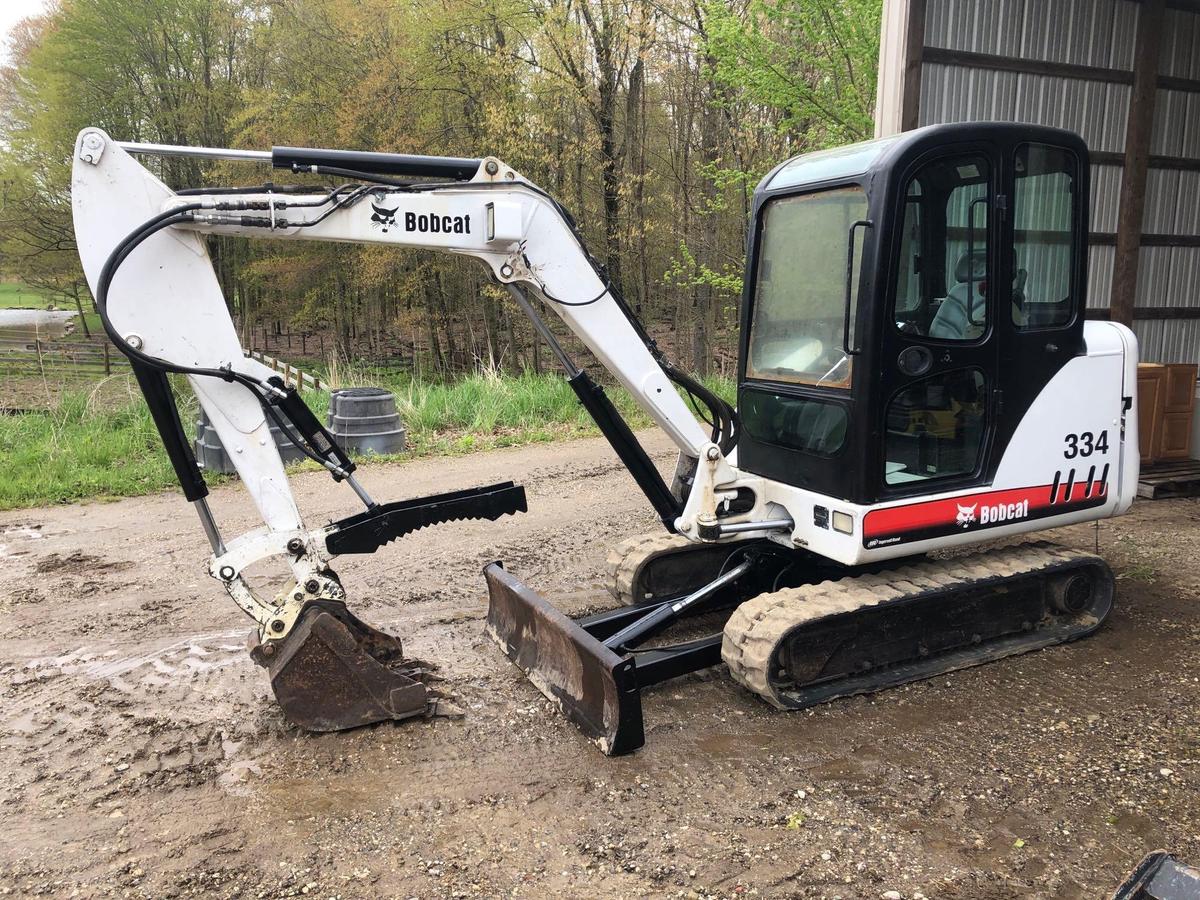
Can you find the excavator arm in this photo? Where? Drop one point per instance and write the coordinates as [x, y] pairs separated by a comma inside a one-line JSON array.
[[143, 251]]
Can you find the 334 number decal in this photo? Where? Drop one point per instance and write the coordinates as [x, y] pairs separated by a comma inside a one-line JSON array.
[[1086, 444]]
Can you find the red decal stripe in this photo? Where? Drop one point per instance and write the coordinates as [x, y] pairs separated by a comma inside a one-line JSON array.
[[934, 513]]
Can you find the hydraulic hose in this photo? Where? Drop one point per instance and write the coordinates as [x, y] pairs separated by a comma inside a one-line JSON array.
[[261, 389]]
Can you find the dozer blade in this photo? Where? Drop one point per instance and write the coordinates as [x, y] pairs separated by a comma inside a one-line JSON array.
[[593, 686], [333, 671], [1160, 877]]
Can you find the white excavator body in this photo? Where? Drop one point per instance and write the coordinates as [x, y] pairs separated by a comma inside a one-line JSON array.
[[869, 429]]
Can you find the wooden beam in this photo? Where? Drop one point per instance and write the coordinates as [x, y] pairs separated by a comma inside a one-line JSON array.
[[901, 42], [1108, 239], [914, 49], [1144, 313], [1026, 66], [1023, 66], [1174, 83], [1185, 5], [1139, 126], [1178, 163]]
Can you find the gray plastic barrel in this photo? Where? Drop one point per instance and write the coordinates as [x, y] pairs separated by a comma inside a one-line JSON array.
[[211, 455], [364, 420]]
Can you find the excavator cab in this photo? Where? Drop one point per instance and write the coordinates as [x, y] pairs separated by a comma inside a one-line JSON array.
[[906, 300]]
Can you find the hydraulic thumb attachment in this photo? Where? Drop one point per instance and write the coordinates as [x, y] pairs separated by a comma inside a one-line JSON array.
[[319, 440]]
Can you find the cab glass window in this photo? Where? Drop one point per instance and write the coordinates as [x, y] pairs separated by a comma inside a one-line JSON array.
[[797, 327], [1044, 212], [799, 423], [935, 427], [941, 284]]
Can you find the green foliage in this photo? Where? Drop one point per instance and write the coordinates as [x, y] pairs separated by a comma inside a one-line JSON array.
[[651, 121], [812, 60], [78, 452], [82, 451], [685, 269]]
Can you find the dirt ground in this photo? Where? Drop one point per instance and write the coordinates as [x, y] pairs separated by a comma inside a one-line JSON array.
[[142, 757]]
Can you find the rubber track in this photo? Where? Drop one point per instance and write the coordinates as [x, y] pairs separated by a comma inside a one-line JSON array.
[[756, 628], [626, 560]]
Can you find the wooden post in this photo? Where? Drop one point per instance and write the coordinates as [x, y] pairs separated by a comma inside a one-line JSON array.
[[902, 46], [910, 103], [107, 364], [1139, 127]]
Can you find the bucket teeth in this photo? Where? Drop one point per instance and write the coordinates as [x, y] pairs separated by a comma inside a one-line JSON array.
[[333, 672]]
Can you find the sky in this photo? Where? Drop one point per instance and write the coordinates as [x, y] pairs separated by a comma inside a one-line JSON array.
[[12, 12]]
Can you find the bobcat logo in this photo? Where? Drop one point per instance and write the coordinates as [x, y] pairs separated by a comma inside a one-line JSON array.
[[966, 515], [383, 218]]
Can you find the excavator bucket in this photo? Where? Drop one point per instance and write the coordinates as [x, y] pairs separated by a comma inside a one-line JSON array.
[[1160, 876], [333, 671], [593, 686]]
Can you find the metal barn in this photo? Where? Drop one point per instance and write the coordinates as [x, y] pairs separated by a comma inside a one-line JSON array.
[[1123, 74]]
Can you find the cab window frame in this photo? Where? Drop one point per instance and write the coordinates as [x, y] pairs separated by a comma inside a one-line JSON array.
[[1078, 243], [863, 282], [939, 482], [801, 394], [992, 231]]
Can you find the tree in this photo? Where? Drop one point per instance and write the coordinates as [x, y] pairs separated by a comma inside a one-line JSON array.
[[650, 119]]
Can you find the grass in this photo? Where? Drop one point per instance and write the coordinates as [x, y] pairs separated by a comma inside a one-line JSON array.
[[84, 449], [78, 452], [15, 295]]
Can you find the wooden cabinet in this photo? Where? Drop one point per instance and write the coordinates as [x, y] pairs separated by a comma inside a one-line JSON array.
[[1166, 401]]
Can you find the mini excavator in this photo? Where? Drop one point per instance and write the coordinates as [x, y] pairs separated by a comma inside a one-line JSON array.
[[916, 374]]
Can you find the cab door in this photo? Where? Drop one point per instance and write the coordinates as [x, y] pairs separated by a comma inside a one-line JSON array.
[[939, 344], [1041, 329]]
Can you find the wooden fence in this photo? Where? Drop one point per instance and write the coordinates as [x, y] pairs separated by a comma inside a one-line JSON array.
[[22, 355], [82, 358], [291, 374]]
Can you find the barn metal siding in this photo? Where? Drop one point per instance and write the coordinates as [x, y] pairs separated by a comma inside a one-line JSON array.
[[1094, 110], [1106, 198], [1082, 32], [1176, 124], [1172, 202], [1100, 271], [1097, 33], [1180, 55], [1168, 341]]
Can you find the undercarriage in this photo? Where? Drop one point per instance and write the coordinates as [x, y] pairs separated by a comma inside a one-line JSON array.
[[793, 628]]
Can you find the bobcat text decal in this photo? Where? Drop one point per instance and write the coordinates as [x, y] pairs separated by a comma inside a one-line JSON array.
[[436, 224], [929, 519], [385, 219]]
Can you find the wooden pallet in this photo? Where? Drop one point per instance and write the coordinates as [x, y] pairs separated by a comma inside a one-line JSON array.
[[1178, 478]]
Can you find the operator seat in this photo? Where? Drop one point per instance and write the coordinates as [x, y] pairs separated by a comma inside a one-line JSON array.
[[952, 322]]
